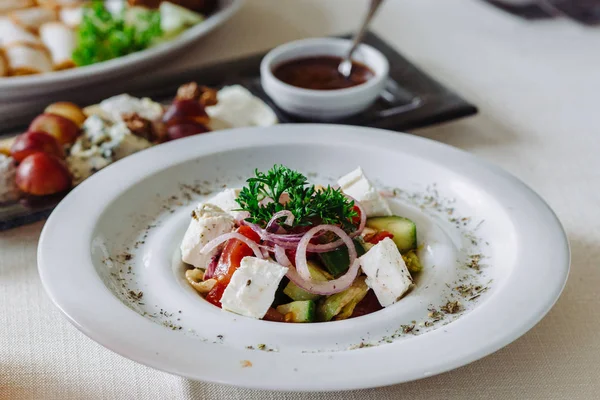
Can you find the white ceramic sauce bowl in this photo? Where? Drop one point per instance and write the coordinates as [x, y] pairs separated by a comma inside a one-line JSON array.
[[324, 105]]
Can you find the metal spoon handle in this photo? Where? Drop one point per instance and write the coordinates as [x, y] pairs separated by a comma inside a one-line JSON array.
[[363, 29], [345, 67]]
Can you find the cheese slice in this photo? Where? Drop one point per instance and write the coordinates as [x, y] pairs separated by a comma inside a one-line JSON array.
[[61, 41], [12, 5], [32, 18], [11, 33], [24, 59]]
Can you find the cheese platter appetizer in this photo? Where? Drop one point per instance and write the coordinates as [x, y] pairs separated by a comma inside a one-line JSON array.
[[66, 144], [283, 250], [41, 36]]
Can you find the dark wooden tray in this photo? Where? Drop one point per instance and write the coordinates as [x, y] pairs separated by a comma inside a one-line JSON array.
[[411, 100]]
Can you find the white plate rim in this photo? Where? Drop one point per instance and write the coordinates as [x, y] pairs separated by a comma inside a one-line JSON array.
[[126, 62], [492, 334]]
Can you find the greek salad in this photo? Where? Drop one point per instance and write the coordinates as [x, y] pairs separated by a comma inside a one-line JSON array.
[[281, 249]]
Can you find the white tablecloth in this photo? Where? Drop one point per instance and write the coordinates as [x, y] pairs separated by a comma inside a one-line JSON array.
[[537, 87]]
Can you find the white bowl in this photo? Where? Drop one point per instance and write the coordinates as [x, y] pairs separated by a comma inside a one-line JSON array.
[[120, 230], [323, 104]]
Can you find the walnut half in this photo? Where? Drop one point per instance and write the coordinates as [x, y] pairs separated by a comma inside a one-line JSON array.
[[139, 126], [203, 94]]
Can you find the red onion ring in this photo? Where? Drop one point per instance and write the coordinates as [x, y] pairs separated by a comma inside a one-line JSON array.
[[323, 248], [291, 241], [241, 216], [211, 267], [266, 250], [304, 246], [264, 235], [282, 258], [289, 220], [210, 246], [321, 288]]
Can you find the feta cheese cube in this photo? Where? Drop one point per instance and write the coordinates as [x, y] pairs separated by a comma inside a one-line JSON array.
[[208, 222], [357, 185], [386, 272], [225, 200], [238, 107], [251, 290]]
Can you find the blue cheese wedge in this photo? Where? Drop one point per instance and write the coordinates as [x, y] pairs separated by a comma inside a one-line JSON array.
[[386, 272], [85, 163], [357, 185], [226, 200], [122, 142], [95, 132], [208, 222], [112, 141], [251, 290]]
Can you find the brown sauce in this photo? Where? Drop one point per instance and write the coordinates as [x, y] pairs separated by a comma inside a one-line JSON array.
[[321, 73]]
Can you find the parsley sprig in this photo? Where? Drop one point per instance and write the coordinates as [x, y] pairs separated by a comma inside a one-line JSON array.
[[309, 205], [103, 36]]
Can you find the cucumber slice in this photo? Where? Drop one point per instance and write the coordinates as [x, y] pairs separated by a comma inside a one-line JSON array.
[[298, 311], [403, 229], [337, 262], [341, 305], [298, 294]]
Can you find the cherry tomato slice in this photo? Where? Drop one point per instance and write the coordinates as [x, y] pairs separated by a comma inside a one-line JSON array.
[[379, 236], [229, 262], [215, 294]]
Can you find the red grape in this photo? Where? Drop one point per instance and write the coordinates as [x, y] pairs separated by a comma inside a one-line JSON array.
[[64, 130], [42, 174], [35, 142]]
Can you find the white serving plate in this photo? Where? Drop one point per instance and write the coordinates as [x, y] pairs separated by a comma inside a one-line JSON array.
[[32, 86], [119, 233]]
